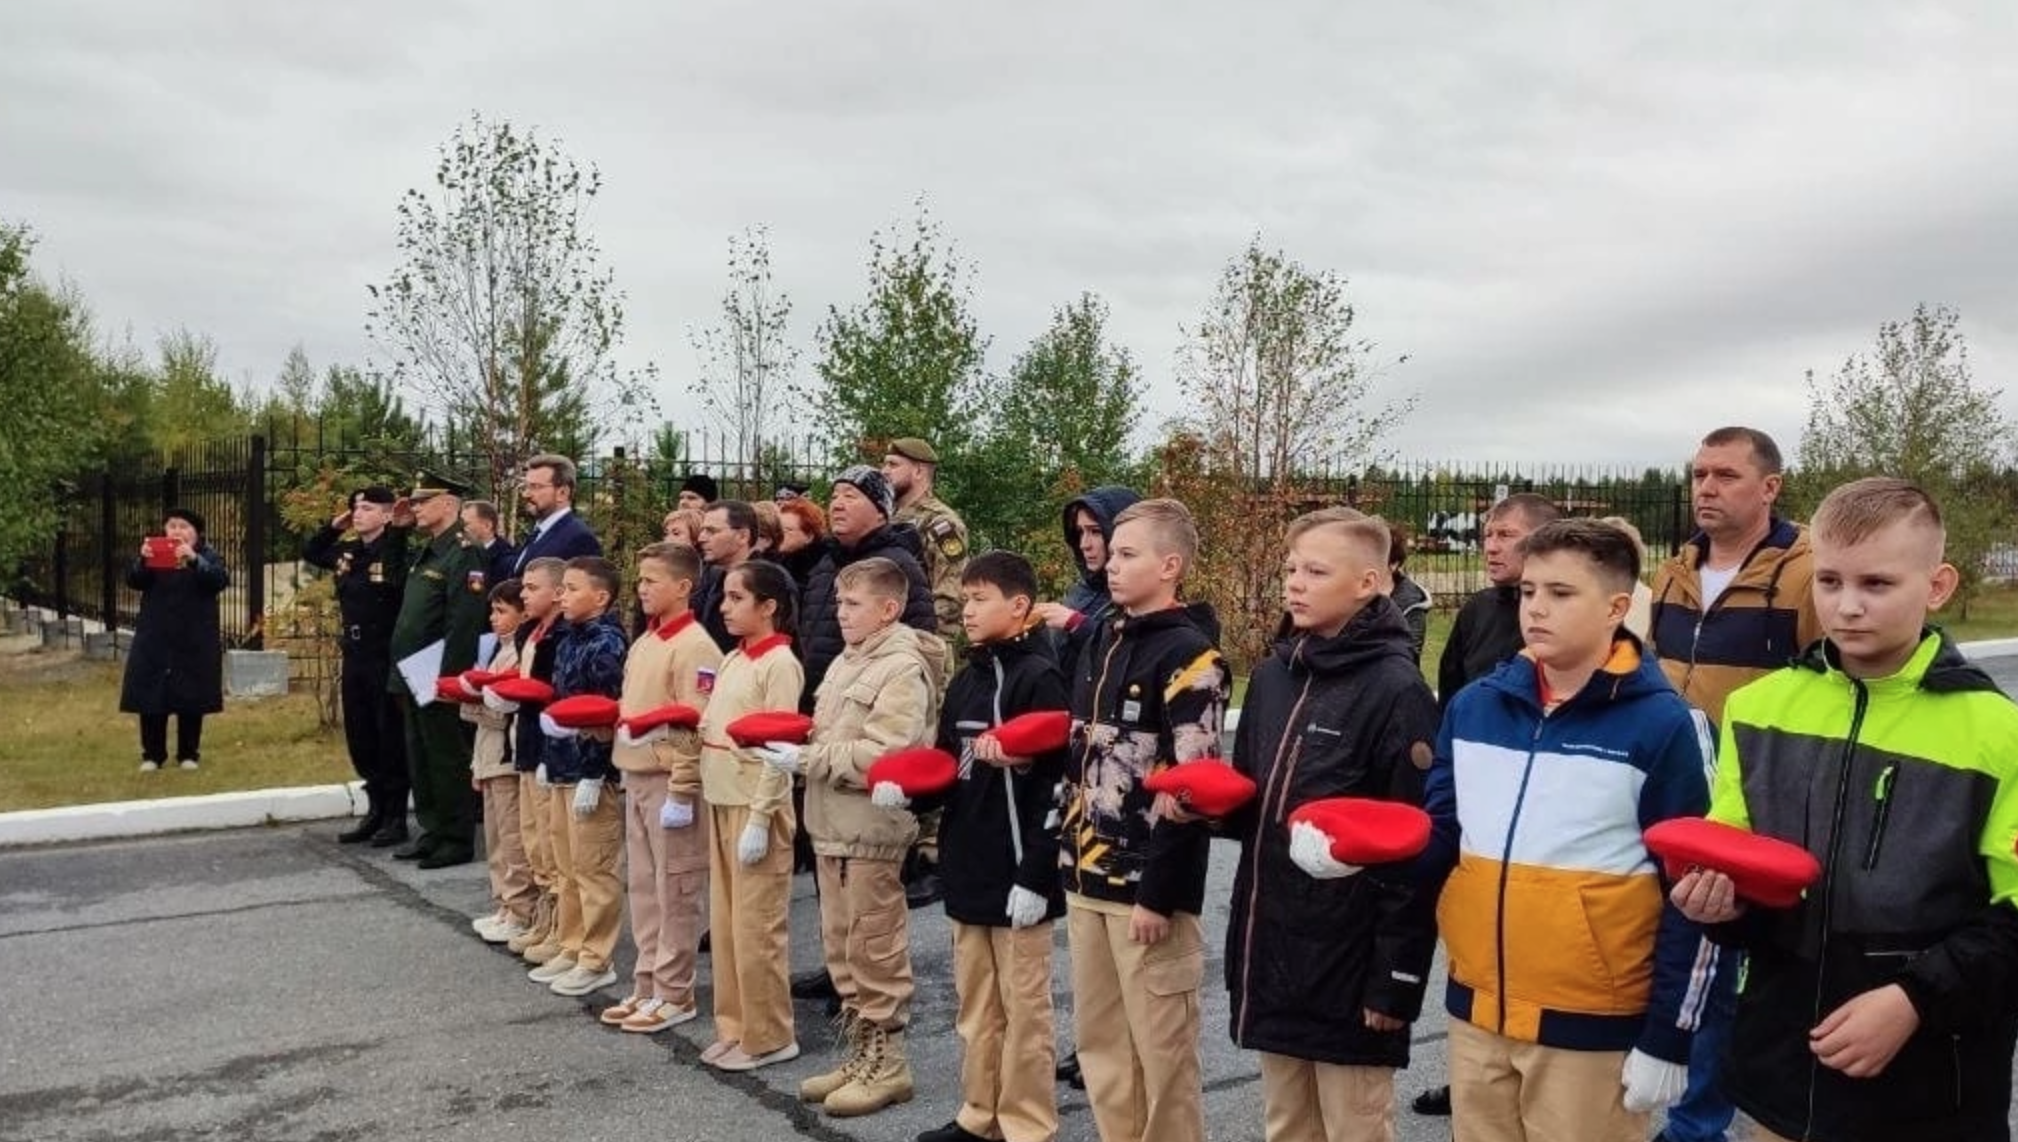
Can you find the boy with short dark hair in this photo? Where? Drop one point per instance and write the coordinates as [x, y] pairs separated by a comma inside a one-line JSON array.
[[540, 592], [880, 696], [1149, 691], [665, 826], [511, 882], [999, 861], [586, 820], [1881, 1005], [1571, 993]]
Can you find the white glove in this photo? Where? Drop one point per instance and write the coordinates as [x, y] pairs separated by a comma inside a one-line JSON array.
[[1652, 1083], [588, 791], [495, 704], [889, 795], [540, 777], [753, 844], [781, 756], [656, 733], [1026, 907], [676, 814], [1311, 850], [555, 730]]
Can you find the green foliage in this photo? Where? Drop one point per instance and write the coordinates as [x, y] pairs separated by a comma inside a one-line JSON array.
[[502, 316], [1911, 408], [49, 387], [192, 404]]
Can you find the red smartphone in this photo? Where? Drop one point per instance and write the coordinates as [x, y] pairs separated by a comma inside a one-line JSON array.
[[161, 553]]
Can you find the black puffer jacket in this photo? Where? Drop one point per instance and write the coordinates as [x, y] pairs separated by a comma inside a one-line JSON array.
[[177, 662], [819, 621], [977, 840], [1486, 632], [1347, 716], [1089, 595]]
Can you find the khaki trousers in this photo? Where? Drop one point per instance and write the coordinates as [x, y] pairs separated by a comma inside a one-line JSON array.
[[1135, 1011], [1008, 1084], [750, 933], [667, 874], [1303, 1101], [585, 854], [1504, 1090], [539, 845], [511, 878], [865, 935]]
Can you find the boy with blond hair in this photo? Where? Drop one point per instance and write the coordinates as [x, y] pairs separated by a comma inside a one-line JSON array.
[[511, 881], [665, 826], [540, 592], [881, 695], [1881, 1004], [1148, 692]]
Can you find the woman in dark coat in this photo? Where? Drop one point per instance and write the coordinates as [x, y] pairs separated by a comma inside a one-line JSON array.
[[177, 662]]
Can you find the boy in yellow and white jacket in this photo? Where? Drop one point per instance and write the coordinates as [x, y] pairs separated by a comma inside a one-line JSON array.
[[491, 774]]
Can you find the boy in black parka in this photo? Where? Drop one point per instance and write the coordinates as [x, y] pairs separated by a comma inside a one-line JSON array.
[[999, 860]]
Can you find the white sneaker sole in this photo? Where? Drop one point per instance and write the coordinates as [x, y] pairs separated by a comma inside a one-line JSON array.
[[559, 987]]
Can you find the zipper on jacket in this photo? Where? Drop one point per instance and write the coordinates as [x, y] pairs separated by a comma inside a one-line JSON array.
[[1505, 861], [1260, 829], [1008, 777], [1862, 702], [1881, 812]]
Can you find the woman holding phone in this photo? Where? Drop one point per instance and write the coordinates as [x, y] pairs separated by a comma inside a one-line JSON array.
[[177, 662]]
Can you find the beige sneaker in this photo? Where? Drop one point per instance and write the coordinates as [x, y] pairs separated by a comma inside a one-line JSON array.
[[542, 927], [614, 1016], [883, 1078], [656, 1015], [580, 980], [851, 1035], [716, 1050], [735, 1059], [551, 968]]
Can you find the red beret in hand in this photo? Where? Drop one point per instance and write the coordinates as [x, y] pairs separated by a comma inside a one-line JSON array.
[[898, 776], [450, 688], [771, 726], [522, 690], [1338, 836], [1039, 731], [1765, 871], [645, 728], [584, 711], [1209, 786], [474, 680]]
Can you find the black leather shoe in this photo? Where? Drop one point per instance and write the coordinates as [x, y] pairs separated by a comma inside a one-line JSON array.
[[446, 857], [923, 890], [815, 984], [361, 832], [414, 849], [951, 1132], [389, 834], [1433, 1103], [1068, 1072]]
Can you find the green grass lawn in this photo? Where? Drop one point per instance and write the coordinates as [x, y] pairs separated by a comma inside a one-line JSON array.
[[63, 740]]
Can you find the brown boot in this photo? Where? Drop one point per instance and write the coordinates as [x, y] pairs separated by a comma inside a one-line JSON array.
[[541, 927], [883, 1078], [851, 1038]]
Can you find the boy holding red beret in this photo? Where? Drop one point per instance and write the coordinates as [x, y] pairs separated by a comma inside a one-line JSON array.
[[1882, 1004]]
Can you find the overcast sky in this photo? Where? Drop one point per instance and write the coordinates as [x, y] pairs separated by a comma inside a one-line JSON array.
[[1596, 230]]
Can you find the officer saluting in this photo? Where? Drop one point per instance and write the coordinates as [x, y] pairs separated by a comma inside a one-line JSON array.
[[446, 599], [370, 571]]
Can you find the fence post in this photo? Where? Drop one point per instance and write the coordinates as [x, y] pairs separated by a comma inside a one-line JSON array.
[[62, 562], [108, 549], [255, 545], [171, 489]]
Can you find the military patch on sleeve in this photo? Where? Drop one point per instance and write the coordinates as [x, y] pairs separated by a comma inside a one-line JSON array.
[[947, 538], [704, 681], [476, 582]]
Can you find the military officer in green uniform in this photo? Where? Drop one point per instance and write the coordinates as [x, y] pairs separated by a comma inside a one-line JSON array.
[[909, 467], [369, 558], [446, 600]]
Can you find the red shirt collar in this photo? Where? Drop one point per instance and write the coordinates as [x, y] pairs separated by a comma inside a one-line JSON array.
[[668, 628], [765, 645]]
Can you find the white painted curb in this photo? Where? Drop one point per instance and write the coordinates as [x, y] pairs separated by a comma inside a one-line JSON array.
[[180, 814]]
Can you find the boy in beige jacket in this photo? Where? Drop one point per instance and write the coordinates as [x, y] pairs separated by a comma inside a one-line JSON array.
[[491, 773], [665, 828], [881, 695]]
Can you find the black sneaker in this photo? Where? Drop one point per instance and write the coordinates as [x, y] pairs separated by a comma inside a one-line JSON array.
[[389, 834], [815, 984], [1433, 1103], [1068, 1072], [951, 1132]]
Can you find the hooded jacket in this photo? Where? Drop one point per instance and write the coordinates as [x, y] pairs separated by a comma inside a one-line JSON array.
[[1903, 788], [1486, 632], [1347, 716], [819, 621], [1149, 692], [588, 659], [880, 696], [1763, 620], [1556, 919], [1088, 596], [994, 835], [1414, 604]]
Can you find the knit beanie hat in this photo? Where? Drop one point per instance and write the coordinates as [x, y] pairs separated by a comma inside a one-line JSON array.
[[870, 482]]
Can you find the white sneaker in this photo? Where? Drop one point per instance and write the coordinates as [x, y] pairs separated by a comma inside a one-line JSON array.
[[149, 766], [504, 931], [188, 763], [552, 970], [482, 925], [580, 981]]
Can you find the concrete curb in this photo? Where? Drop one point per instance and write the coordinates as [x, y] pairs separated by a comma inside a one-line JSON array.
[[318, 802]]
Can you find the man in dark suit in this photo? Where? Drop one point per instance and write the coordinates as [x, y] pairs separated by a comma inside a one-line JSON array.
[[557, 531], [480, 527]]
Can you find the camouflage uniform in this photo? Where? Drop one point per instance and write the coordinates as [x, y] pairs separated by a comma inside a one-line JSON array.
[[945, 542]]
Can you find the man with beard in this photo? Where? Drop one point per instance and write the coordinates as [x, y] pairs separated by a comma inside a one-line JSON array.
[[910, 467]]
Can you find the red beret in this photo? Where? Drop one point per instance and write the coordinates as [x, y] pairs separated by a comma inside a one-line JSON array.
[[478, 679], [1364, 831], [676, 715], [919, 772], [522, 690], [1208, 786], [771, 726], [1766, 871], [1039, 731], [584, 711], [449, 688]]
